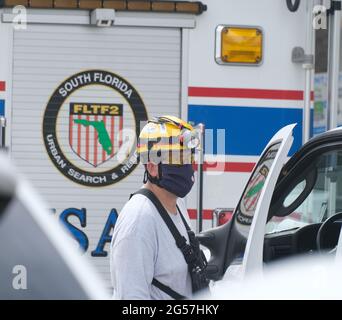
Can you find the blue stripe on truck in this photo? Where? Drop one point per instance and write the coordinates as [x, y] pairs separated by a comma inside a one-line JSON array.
[[248, 129], [2, 107]]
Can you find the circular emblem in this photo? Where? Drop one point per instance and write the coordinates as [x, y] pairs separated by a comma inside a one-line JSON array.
[[90, 127], [251, 196], [254, 188]]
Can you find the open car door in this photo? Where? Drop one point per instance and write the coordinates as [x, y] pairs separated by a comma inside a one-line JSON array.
[[240, 242]]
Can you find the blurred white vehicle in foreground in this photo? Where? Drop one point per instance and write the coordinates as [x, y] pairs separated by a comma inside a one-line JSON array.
[[315, 277], [38, 258]]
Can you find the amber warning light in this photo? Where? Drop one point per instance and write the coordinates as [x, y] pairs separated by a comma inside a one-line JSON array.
[[239, 45]]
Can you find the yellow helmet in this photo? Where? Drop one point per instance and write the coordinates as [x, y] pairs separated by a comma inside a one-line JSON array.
[[168, 140]]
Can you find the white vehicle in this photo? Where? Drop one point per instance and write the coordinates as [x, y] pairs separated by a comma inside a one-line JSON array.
[[313, 277], [252, 239], [77, 78], [39, 260]]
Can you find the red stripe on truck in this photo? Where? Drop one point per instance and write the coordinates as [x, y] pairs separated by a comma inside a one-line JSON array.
[[247, 93], [2, 85], [207, 214], [227, 166]]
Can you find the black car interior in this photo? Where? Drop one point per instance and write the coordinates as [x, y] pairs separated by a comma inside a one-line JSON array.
[[308, 168], [309, 238]]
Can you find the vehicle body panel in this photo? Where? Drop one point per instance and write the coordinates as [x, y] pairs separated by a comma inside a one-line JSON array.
[[40, 260], [227, 243]]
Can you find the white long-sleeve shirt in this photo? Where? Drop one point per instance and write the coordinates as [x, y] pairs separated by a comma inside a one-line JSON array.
[[143, 248]]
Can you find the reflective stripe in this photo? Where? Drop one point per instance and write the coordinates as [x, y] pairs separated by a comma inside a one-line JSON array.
[[2, 107], [247, 93], [247, 129]]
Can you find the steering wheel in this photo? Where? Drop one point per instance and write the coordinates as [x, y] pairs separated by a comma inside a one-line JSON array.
[[327, 224]]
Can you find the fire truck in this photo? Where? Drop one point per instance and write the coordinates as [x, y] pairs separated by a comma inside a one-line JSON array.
[[79, 78]]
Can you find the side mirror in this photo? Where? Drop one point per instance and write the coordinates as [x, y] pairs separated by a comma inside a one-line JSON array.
[[216, 241]]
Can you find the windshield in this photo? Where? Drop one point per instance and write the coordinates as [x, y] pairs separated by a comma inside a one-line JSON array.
[[324, 194]]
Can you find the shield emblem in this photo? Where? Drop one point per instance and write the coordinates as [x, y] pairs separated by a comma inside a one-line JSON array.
[[95, 131], [254, 189]]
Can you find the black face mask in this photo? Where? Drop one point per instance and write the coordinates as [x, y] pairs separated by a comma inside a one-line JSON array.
[[175, 179]]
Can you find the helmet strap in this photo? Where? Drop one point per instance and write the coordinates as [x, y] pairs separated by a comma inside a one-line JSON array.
[[154, 180], [145, 176]]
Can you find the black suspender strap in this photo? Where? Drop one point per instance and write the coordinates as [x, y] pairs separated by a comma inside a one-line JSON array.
[[184, 221], [180, 240], [173, 294]]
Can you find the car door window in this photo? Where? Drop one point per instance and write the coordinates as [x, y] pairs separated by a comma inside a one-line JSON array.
[[323, 201], [295, 193]]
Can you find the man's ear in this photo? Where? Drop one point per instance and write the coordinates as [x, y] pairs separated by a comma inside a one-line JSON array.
[[152, 169]]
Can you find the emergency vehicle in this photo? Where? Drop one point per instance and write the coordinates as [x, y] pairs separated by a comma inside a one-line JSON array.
[[79, 78]]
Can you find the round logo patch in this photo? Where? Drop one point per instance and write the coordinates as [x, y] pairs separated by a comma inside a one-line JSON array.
[[90, 127]]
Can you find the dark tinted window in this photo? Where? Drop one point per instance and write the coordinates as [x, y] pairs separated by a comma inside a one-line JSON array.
[[323, 200]]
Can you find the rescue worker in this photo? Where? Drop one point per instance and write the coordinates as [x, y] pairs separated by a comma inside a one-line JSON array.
[[145, 260]]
